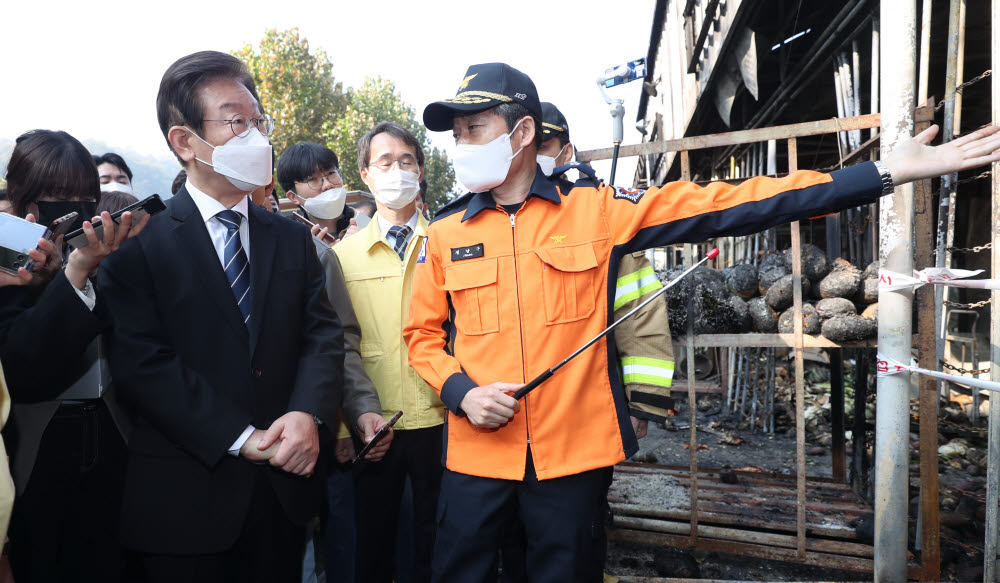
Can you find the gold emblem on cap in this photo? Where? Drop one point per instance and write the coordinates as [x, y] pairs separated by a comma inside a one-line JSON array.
[[475, 97], [465, 82]]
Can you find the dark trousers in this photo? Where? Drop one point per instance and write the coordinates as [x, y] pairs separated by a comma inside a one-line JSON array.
[[269, 549], [557, 514], [338, 528], [514, 543], [378, 491], [65, 524]]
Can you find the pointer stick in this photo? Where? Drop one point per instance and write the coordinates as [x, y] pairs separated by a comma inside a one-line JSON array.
[[545, 375]]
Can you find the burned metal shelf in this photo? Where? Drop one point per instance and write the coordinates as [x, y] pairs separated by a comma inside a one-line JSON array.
[[754, 517]]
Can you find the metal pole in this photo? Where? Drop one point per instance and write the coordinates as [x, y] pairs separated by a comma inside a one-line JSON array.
[[892, 421], [946, 218], [856, 86], [925, 47], [845, 86], [960, 68], [692, 396], [876, 56], [800, 406], [929, 536], [993, 459], [838, 87]]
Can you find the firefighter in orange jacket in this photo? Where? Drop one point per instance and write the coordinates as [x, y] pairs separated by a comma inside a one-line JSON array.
[[515, 275]]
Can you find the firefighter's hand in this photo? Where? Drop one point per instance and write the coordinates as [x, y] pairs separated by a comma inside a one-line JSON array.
[[916, 159], [491, 406], [640, 427]]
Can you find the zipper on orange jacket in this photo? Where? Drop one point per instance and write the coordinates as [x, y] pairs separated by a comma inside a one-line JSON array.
[[517, 287]]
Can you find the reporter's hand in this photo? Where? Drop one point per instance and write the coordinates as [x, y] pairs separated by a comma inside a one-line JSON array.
[[84, 260], [640, 427], [299, 445], [491, 406], [323, 234], [46, 263], [368, 426], [251, 450], [343, 450], [915, 159]]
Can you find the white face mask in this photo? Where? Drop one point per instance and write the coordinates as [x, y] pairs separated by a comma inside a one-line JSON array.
[[244, 161], [117, 187], [481, 168], [548, 163], [328, 204], [394, 188]]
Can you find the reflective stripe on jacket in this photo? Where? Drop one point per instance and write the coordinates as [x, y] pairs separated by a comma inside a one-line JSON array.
[[380, 286], [503, 298], [645, 352]]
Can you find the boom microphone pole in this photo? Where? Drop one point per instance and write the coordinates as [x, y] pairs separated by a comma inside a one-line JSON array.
[[545, 375], [631, 71], [617, 111]]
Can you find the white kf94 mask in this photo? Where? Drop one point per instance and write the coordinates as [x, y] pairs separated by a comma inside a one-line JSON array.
[[328, 204], [481, 168], [395, 188], [245, 161]]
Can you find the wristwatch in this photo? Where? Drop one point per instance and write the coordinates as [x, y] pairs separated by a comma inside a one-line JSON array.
[[886, 177]]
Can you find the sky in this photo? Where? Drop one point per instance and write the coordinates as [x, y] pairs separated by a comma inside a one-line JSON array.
[[93, 69]]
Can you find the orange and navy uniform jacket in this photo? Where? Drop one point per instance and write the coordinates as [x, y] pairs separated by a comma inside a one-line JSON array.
[[502, 298]]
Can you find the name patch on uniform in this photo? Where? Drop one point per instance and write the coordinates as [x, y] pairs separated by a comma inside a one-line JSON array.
[[422, 256], [630, 194], [470, 252]]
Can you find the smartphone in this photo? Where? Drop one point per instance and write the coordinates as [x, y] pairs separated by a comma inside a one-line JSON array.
[[17, 237], [61, 225], [381, 433], [147, 206], [328, 238]]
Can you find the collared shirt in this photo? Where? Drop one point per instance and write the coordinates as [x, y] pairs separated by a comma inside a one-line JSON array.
[[87, 294], [209, 207], [384, 226]]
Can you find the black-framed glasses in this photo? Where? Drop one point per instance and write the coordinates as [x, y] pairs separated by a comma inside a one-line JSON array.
[[406, 162], [332, 177], [241, 124]]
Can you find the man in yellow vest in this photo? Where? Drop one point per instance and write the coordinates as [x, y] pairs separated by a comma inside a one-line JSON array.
[[379, 263]]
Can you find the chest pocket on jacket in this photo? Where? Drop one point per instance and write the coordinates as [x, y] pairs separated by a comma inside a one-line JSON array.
[[569, 279], [473, 289]]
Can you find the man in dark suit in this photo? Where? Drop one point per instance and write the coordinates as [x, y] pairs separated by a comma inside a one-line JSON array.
[[225, 344]]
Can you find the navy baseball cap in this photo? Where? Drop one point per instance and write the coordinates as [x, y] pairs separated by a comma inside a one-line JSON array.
[[553, 122], [484, 86]]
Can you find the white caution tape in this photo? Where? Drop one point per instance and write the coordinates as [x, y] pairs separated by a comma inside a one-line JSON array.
[[892, 281], [887, 366]]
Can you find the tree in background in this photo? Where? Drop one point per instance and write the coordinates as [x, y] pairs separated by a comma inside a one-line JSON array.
[[377, 100], [298, 88]]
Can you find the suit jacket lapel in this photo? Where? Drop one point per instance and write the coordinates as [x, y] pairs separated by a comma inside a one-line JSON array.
[[262, 244], [197, 248]]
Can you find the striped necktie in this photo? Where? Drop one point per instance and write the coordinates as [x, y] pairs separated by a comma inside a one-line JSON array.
[[235, 262], [399, 233]]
